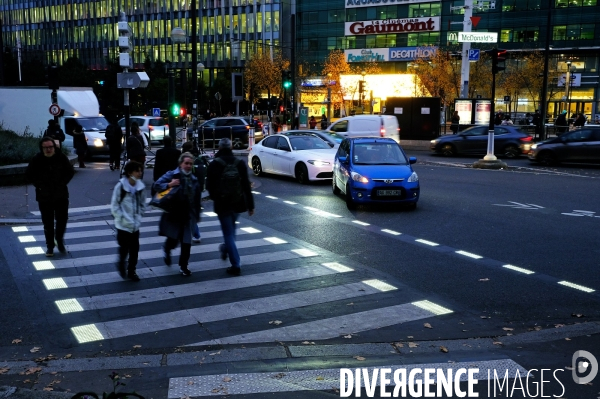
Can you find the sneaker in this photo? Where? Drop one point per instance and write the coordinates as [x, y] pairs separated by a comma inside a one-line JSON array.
[[223, 252], [185, 271], [197, 240], [234, 271], [133, 276], [167, 257], [60, 245], [50, 252], [121, 269]]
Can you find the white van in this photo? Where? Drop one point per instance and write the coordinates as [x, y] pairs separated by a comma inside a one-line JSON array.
[[367, 126]]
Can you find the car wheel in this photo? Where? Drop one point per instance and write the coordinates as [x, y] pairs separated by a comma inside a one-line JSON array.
[[301, 173], [334, 186], [511, 151], [350, 204], [256, 166], [547, 158], [448, 150]]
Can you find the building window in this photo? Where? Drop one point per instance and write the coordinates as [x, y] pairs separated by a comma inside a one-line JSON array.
[[424, 10], [574, 3], [573, 32]]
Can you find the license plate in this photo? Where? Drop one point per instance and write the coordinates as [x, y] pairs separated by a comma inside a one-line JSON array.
[[388, 192]]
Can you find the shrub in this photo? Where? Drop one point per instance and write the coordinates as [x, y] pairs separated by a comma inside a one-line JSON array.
[[17, 149]]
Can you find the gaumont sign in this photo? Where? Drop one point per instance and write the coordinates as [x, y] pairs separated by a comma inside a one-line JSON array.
[[477, 37], [405, 25], [367, 55], [372, 3]]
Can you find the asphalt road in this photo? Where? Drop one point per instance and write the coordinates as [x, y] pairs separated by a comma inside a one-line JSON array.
[[495, 266]]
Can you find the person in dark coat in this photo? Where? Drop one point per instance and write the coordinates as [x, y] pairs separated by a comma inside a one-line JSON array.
[[135, 145], [228, 213], [580, 121], [199, 171], [178, 226], [55, 132], [561, 125], [50, 172], [80, 144], [537, 122], [455, 122], [167, 158], [114, 139]]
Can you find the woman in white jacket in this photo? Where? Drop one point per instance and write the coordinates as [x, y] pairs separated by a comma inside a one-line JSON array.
[[127, 206]]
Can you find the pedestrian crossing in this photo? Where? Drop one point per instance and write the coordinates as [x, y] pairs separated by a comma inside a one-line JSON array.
[[306, 286]]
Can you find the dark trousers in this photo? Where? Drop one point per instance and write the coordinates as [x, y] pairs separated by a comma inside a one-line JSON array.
[[115, 154], [50, 210], [184, 258], [129, 244]]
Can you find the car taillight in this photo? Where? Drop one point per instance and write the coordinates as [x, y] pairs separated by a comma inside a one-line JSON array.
[[382, 130], [526, 139], [150, 127]]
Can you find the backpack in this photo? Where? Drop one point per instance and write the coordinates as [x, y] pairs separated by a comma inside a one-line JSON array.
[[230, 186]]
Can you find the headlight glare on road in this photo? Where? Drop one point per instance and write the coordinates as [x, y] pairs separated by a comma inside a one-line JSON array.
[[318, 163], [413, 178], [359, 178]]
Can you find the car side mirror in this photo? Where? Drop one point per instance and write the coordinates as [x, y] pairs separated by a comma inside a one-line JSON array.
[[343, 159], [412, 160]]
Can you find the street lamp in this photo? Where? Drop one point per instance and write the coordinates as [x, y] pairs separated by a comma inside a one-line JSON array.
[[329, 97], [362, 90], [199, 68]]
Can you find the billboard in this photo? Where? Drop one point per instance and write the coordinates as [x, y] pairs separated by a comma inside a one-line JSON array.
[[367, 55], [397, 25], [373, 3], [477, 37]]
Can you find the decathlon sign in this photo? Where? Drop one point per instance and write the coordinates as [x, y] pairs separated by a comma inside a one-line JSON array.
[[372, 3], [367, 55], [405, 25], [477, 37], [411, 53]]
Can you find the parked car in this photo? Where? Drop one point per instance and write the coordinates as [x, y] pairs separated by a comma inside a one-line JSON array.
[[581, 145], [367, 126], [508, 141], [153, 127], [303, 156], [235, 128], [374, 170], [333, 139]]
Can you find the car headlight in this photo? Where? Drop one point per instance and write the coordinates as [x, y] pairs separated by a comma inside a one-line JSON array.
[[318, 163], [534, 146], [98, 143], [435, 141], [359, 178], [413, 178]]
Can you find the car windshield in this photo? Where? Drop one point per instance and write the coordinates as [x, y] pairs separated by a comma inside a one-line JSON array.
[[94, 123], [378, 154], [308, 143], [334, 136]]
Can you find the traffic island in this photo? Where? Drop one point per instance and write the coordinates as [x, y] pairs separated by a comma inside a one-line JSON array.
[[490, 164]]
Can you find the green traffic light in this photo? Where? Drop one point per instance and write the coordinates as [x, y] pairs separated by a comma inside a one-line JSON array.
[[175, 110], [287, 84]]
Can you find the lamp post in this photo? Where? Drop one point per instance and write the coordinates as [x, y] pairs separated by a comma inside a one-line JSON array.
[[569, 86], [362, 91], [329, 97], [199, 68], [179, 37]]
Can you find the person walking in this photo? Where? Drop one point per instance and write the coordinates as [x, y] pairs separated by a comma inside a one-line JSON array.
[[167, 158], [313, 122], [136, 146], [455, 122], [80, 144], [561, 125], [499, 118], [537, 122], [114, 139], [178, 226], [276, 125], [50, 172], [55, 132], [579, 121], [229, 187], [199, 171], [323, 122], [506, 121], [127, 205]]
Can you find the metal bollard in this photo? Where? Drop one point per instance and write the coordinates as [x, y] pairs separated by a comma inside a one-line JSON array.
[[250, 137]]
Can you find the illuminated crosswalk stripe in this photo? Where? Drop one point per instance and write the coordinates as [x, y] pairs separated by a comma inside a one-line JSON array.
[[159, 271], [202, 287], [332, 327], [146, 255], [229, 311], [285, 380]]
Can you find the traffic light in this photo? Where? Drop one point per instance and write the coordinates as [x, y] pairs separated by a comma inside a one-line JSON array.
[[182, 112], [361, 86], [175, 110], [498, 58], [287, 79]]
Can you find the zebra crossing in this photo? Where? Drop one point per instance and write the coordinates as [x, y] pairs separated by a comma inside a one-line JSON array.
[[280, 274]]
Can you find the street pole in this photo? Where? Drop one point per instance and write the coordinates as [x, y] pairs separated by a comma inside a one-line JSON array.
[[465, 63], [490, 148], [544, 104], [293, 63], [328, 101], [171, 100], [194, 74]]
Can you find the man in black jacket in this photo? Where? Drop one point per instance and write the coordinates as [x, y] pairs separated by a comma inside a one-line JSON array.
[[55, 132], [167, 158], [50, 171], [231, 195]]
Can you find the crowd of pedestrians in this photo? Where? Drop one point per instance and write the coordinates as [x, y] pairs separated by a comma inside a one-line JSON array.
[[50, 171]]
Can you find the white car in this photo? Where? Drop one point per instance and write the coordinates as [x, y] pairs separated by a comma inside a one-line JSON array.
[[154, 127], [298, 154]]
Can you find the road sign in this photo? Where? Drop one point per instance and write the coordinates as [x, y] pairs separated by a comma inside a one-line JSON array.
[[506, 99], [474, 54], [132, 80], [155, 111], [54, 110]]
